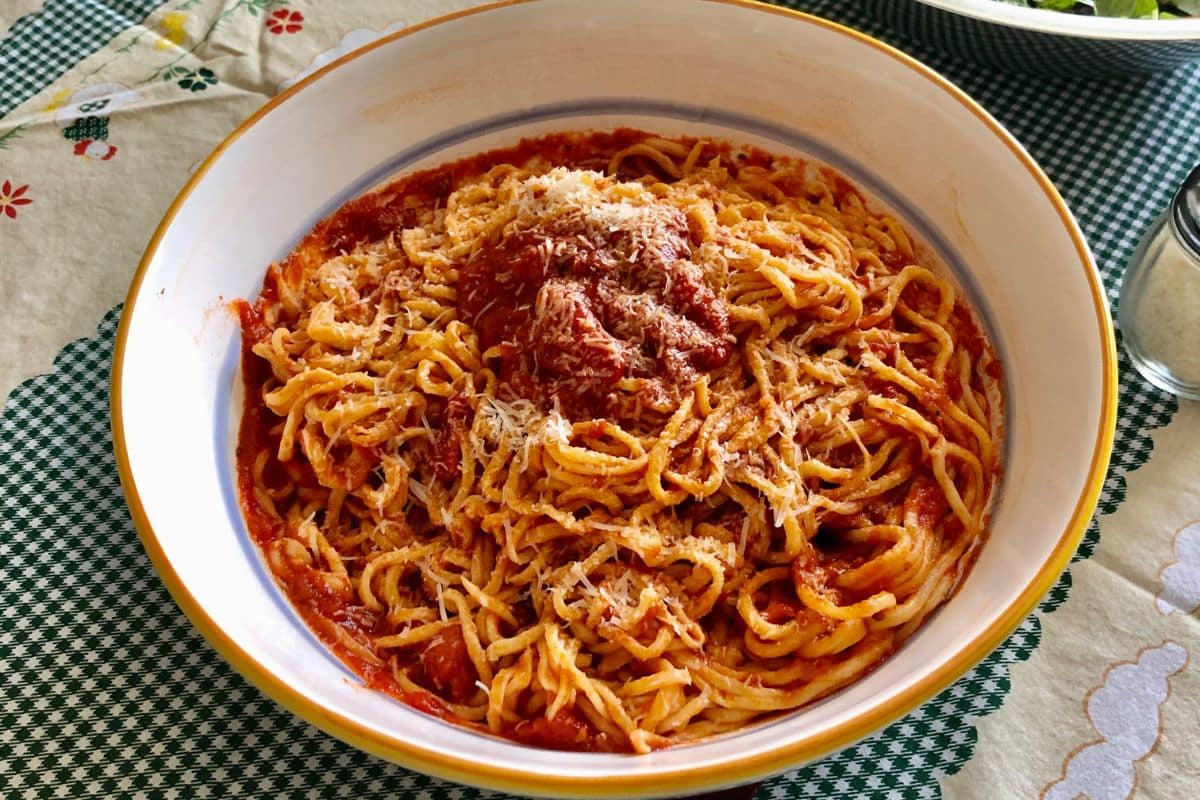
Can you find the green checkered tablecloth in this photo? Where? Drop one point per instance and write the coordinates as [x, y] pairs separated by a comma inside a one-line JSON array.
[[105, 688], [41, 47]]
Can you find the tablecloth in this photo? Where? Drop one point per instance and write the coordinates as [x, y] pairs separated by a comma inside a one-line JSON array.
[[107, 691]]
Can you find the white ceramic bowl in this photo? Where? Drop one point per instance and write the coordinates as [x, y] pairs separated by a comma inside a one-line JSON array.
[[472, 81], [1045, 43]]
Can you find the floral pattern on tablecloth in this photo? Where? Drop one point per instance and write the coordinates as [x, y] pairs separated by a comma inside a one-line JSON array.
[[12, 198]]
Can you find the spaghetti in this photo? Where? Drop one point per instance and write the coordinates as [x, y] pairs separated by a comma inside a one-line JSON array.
[[613, 442]]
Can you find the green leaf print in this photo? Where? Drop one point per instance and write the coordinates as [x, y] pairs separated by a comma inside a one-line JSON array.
[[94, 128], [198, 80]]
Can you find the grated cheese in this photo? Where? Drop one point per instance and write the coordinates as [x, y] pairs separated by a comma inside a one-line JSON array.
[[418, 490], [578, 196], [441, 598], [520, 425]]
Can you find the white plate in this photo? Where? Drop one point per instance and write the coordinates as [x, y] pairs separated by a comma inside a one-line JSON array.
[[472, 81]]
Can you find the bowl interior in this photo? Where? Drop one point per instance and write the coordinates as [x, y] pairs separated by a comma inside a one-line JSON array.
[[787, 83]]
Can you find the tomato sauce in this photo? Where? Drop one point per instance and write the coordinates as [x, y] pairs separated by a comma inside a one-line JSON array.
[[332, 611], [447, 667], [404, 202], [782, 605], [573, 312], [568, 318], [447, 448], [966, 332], [567, 730], [926, 500], [424, 701]]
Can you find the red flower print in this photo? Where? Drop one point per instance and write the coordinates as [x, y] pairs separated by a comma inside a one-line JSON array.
[[285, 21], [95, 149], [11, 197]]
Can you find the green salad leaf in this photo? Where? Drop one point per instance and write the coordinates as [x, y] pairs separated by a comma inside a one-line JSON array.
[[1127, 9], [1135, 9]]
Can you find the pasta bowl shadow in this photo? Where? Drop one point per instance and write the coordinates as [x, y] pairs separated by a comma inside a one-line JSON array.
[[777, 80]]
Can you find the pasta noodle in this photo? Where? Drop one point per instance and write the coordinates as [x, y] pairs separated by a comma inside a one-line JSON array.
[[613, 442]]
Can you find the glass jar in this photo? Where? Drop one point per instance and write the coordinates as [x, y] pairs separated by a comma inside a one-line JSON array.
[[1159, 311]]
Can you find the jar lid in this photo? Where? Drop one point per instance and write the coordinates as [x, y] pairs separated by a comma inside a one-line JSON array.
[[1185, 213]]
